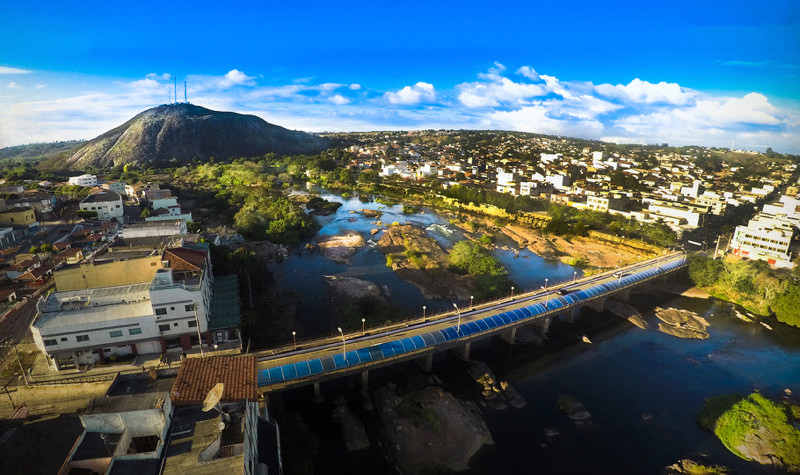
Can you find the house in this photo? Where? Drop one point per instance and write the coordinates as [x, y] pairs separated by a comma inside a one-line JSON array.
[[83, 180], [24, 216], [8, 295], [107, 204], [72, 255], [118, 186]]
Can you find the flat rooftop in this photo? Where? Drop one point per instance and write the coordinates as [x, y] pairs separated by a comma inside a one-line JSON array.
[[107, 195], [75, 310], [128, 403]]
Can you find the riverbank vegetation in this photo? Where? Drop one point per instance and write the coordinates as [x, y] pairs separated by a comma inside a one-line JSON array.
[[491, 278], [755, 428], [751, 284]]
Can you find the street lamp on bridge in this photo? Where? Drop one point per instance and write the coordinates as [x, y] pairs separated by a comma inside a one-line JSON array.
[[470, 301], [458, 327], [294, 339], [423, 312], [512, 292], [362, 326], [344, 355]]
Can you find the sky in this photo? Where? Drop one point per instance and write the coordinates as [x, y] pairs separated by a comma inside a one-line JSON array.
[[712, 73]]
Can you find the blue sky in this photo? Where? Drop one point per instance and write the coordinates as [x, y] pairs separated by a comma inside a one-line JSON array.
[[710, 73]]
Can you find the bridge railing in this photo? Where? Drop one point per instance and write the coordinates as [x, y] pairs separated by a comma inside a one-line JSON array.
[[315, 341]]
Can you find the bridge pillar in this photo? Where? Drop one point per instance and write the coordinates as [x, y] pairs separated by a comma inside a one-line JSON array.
[[318, 397], [425, 362], [508, 336], [597, 304], [365, 379], [569, 315], [462, 351], [624, 295]]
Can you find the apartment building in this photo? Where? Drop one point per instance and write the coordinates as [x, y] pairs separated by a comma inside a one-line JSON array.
[[83, 180], [148, 305], [765, 238]]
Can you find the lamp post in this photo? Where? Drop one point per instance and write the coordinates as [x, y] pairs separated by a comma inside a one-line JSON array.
[[10, 344], [470, 301], [458, 327], [423, 312], [294, 339], [362, 326], [574, 276], [512, 292], [545, 283], [546, 296], [344, 354]]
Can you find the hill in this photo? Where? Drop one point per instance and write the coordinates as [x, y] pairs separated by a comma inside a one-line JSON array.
[[176, 134], [37, 151]]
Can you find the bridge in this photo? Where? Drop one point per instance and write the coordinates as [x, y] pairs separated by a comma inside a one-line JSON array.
[[357, 353]]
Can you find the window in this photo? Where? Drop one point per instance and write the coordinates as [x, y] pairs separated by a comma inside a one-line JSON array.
[[189, 307], [172, 308], [164, 327], [161, 311], [82, 337], [134, 331], [192, 323], [63, 338], [50, 342], [115, 333]]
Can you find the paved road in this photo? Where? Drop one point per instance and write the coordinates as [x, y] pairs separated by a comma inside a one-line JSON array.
[[334, 345]]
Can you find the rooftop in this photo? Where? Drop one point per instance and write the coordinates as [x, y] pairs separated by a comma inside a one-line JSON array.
[[106, 195], [225, 306], [127, 403], [198, 375]]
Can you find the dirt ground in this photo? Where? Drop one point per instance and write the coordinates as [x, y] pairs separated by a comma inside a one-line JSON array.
[[598, 254]]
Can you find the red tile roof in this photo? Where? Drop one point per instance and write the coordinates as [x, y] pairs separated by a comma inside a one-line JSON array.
[[182, 258], [198, 375]]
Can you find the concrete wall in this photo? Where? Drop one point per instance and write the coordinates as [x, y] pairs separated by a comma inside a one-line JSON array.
[[90, 275]]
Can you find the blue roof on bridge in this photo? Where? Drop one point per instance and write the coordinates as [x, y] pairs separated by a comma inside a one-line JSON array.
[[316, 366]]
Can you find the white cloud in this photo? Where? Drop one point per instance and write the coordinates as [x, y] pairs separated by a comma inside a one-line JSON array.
[[236, 78], [647, 92], [41, 86], [411, 95], [339, 100], [159, 77], [13, 85], [528, 72], [354, 87], [7, 70], [536, 118]]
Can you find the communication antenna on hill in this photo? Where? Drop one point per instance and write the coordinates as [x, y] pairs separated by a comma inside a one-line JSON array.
[[186, 101], [176, 88]]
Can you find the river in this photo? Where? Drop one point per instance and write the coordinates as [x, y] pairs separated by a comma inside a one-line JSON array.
[[642, 387]]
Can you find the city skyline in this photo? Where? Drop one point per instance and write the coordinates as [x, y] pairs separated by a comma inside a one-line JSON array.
[[721, 75]]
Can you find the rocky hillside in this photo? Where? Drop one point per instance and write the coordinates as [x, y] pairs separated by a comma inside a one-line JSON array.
[[176, 134]]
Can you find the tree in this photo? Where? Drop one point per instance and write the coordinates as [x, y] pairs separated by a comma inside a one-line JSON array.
[[86, 214], [785, 306]]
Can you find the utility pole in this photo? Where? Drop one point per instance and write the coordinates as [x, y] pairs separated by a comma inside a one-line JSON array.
[[717, 248], [199, 336]]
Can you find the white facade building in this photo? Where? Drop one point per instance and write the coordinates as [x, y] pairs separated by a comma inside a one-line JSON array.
[[83, 180], [172, 311], [107, 204], [764, 238]]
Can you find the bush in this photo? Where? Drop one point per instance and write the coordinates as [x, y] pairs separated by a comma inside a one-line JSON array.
[[486, 239]]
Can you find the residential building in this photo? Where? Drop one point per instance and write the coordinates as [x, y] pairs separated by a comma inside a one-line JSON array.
[[107, 204], [118, 186], [120, 316], [23, 216], [122, 434], [83, 180], [164, 227], [764, 238]]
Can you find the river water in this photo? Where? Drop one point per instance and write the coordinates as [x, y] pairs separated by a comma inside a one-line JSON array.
[[643, 388]]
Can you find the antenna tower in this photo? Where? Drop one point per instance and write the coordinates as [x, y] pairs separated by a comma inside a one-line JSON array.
[[176, 88], [184, 93]]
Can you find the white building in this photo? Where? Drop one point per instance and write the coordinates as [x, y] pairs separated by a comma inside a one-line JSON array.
[[764, 238], [560, 182], [107, 204], [172, 311], [83, 180], [786, 207], [172, 227]]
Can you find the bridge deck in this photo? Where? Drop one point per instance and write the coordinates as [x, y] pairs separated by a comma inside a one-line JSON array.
[[332, 358]]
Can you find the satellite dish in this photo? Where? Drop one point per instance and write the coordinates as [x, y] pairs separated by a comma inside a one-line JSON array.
[[213, 397]]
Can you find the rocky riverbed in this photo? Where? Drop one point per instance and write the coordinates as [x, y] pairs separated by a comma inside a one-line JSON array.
[[429, 431], [682, 323], [418, 259], [341, 247]]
